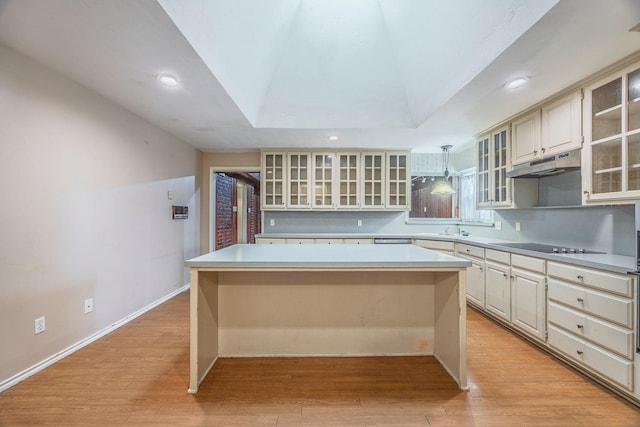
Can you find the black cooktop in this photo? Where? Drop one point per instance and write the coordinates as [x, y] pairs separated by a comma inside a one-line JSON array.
[[549, 249]]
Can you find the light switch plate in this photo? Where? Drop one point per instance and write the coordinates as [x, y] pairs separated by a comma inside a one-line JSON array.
[[498, 225]]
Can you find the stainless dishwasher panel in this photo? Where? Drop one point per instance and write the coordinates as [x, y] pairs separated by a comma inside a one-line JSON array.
[[392, 240]]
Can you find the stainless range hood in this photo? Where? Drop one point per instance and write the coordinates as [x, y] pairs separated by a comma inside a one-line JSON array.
[[548, 166]]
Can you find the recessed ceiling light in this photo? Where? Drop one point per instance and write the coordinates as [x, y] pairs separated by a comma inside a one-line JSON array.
[[168, 80], [334, 138], [516, 83]]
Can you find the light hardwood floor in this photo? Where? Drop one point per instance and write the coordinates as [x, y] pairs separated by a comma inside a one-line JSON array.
[[138, 375]]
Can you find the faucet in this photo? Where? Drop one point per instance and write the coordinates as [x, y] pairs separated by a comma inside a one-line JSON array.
[[446, 230]]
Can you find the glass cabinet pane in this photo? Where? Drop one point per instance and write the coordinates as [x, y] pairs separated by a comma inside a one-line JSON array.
[[606, 110], [633, 156], [633, 103], [606, 168], [372, 182]]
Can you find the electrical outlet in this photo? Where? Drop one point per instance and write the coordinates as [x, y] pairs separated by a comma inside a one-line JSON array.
[[40, 325], [359, 223], [497, 225], [518, 226], [88, 305], [272, 222]]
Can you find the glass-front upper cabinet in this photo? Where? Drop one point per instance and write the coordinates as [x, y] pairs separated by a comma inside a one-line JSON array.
[[611, 165], [348, 171], [299, 177], [274, 179], [494, 188], [323, 180], [397, 177], [373, 167]]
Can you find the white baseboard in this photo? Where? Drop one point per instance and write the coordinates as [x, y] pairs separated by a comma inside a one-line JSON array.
[[10, 382]]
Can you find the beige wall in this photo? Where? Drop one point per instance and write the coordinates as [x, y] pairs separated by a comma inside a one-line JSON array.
[[85, 213], [246, 161]]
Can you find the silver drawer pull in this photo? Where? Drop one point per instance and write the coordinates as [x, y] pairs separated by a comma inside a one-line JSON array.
[[580, 352], [505, 274], [580, 299], [580, 277], [580, 326]]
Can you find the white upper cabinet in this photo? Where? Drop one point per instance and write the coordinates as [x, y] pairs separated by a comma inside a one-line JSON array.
[[526, 138], [611, 157], [274, 180], [494, 188], [299, 194], [373, 180], [338, 180], [323, 180], [562, 124], [552, 129]]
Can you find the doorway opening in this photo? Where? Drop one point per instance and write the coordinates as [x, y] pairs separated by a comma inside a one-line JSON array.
[[235, 210]]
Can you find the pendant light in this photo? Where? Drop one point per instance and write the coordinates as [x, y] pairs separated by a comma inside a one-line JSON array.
[[443, 187]]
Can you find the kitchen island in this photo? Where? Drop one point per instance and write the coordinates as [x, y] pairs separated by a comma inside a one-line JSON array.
[[333, 300]]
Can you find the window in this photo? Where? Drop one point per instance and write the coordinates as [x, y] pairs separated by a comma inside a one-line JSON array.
[[460, 205]]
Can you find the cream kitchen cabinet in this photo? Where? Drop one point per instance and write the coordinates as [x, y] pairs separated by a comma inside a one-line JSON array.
[[348, 177], [322, 181], [373, 180], [494, 189], [611, 156], [447, 248], [526, 142], [340, 180], [591, 320], [554, 128], [299, 182], [528, 295], [274, 180], [398, 181], [475, 273], [498, 284]]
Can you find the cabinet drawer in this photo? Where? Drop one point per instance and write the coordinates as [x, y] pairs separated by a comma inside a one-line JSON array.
[[609, 307], [300, 241], [604, 334], [616, 283], [528, 263], [358, 241], [498, 256], [615, 368], [267, 241], [470, 250], [436, 245], [329, 241]]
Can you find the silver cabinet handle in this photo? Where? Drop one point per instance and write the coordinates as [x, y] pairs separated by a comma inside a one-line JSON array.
[[580, 326], [580, 277], [580, 299], [580, 352], [505, 274]]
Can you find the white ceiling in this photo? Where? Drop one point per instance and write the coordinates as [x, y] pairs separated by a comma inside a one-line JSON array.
[[255, 74]]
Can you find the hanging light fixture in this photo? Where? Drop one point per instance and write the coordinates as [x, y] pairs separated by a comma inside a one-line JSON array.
[[443, 187]]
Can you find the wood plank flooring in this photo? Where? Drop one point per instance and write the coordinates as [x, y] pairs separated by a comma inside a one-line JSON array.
[[138, 375]]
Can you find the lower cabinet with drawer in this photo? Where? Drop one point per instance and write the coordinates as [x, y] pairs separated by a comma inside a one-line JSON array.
[[436, 245], [475, 273], [591, 321], [528, 295]]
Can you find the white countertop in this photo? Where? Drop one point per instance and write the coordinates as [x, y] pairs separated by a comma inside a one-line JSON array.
[[326, 256], [609, 262]]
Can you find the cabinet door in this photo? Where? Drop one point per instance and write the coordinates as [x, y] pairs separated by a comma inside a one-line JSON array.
[[348, 173], [500, 185], [562, 125], [298, 188], [475, 282], [373, 177], [483, 171], [273, 180], [528, 302], [525, 138], [498, 290], [398, 182], [323, 180]]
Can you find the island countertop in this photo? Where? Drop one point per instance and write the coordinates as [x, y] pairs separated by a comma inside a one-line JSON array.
[[326, 256]]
